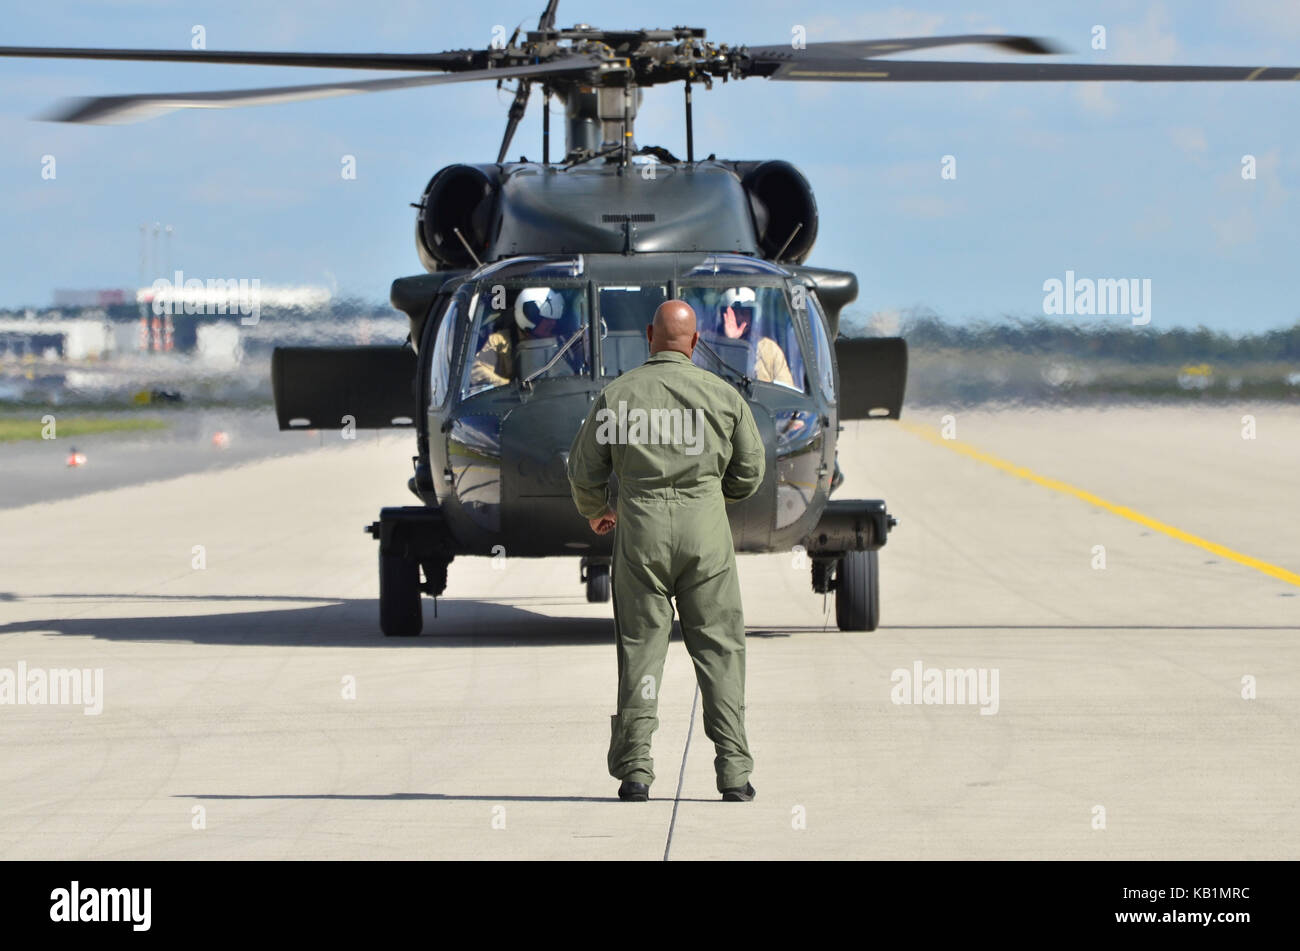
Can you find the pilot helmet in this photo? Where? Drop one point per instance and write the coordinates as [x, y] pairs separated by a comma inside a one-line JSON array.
[[536, 304], [742, 299]]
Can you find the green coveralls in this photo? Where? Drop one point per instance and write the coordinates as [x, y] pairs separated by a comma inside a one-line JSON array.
[[675, 473]]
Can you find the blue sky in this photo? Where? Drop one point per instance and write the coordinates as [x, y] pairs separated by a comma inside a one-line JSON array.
[[1120, 181]]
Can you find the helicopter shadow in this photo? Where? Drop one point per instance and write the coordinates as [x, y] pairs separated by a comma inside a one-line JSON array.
[[460, 622]]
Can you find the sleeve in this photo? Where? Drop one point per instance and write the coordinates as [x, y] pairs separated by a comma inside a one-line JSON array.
[[590, 465], [487, 362], [773, 367], [744, 473]]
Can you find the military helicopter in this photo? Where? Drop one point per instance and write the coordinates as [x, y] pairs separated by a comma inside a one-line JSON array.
[[541, 277]]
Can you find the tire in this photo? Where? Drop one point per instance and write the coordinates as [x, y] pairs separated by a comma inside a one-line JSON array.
[[598, 583], [399, 597], [857, 591]]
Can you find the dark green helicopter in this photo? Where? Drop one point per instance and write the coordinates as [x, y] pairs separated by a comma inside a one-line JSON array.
[[542, 277]]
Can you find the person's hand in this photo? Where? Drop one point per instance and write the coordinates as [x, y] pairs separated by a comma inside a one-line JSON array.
[[792, 427], [603, 524], [729, 325]]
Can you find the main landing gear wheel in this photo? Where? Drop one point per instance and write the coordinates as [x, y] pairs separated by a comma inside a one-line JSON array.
[[597, 583], [857, 591], [399, 596]]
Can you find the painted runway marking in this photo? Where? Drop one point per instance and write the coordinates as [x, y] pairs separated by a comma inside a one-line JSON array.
[[1123, 511], [681, 775]]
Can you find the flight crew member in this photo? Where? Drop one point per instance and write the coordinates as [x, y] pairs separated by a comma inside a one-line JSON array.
[[537, 312], [737, 310], [672, 540]]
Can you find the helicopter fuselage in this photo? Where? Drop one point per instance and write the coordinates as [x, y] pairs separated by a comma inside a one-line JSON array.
[[496, 398]]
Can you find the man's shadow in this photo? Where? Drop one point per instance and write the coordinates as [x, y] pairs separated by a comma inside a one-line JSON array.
[[398, 797]]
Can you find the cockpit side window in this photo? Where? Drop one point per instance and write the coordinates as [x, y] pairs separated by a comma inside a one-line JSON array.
[[825, 371], [440, 360], [518, 328], [750, 328]]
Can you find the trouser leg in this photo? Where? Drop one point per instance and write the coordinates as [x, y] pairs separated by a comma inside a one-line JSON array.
[[643, 619], [713, 627]]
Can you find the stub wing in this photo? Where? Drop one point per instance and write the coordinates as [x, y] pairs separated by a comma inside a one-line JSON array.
[[344, 387], [873, 376]]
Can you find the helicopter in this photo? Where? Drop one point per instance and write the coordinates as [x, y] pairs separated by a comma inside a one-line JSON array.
[[540, 278]]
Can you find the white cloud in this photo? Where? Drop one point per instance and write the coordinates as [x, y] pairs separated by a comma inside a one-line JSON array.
[[874, 24], [926, 206], [1275, 17], [1095, 98], [1151, 41], [1189, 139], [1236, 229]]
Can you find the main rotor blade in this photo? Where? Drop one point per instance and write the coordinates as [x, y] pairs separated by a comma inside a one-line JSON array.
[[414, 62], [104, 109], [917, 71], [848, 49]]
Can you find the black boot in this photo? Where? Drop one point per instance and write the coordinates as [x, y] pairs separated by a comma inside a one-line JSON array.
[[740, 794], [633, 792]]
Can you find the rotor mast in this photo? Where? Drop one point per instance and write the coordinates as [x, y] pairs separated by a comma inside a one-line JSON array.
[[600, 118]]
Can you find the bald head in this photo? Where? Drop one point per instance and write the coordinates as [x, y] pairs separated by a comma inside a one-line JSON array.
[[673, 328]]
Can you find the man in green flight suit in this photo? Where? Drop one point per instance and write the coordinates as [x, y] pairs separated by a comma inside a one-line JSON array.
[[683, 444]]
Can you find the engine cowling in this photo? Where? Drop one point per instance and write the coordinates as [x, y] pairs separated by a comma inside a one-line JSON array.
[[458, 198], [782, 203]]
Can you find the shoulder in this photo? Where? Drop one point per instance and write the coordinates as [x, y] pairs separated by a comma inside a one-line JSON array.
[[701, 378], [719, 392], [628, 377]]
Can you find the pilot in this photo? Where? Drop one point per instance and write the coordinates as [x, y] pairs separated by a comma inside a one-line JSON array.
[[673, 541], [737, 311], [537, 313]]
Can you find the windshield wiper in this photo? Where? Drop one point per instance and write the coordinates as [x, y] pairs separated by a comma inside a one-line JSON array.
[[528, 380], [736, 375]]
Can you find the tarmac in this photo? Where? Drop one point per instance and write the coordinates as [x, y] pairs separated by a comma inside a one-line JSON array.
[[1148, 690]]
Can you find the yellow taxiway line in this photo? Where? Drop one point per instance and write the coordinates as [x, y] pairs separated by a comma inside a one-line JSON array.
[[1123, 511]]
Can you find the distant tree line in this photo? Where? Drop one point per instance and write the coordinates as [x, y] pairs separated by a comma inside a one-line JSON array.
[[1117, 341]]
